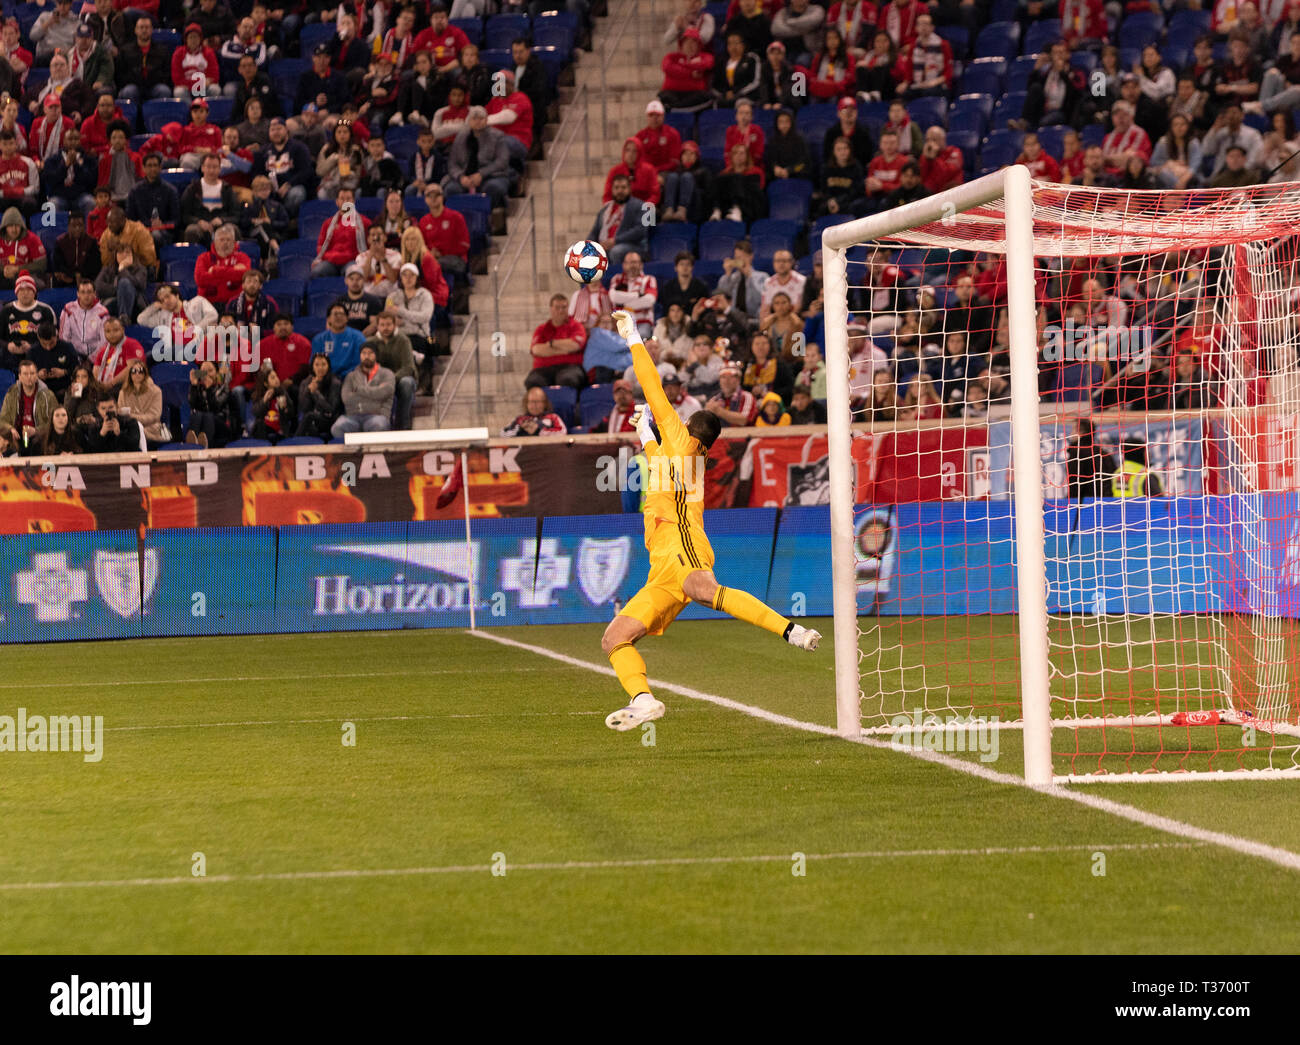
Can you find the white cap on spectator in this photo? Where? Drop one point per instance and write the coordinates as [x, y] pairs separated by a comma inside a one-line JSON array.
[[655, 106]]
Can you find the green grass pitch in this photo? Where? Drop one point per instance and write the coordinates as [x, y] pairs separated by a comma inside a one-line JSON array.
[[466, 749]]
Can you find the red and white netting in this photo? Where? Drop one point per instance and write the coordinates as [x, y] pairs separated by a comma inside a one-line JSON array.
[[1169, 430]]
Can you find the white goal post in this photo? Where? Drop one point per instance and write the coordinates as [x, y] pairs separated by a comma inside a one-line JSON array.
[[1149, 649]]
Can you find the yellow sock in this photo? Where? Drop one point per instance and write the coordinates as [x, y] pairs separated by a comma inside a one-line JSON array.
[[629, 665], [743, 606]]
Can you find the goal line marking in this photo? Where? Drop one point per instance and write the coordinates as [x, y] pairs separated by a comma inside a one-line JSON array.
[[297, 676], [587, 865], [1246, 846]]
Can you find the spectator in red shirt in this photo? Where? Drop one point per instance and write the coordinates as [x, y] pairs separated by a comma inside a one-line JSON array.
[[288, 353], [45, 139], [688, 73], [341, 238], [445, 232], [1127, 139], [557, 349], [112, 361], [1082, 20], [733, 404], [942, 165], [198, 137], [745, 132], [442, 40], [1039, 161], [661, 145], [644, 180], [195, 70], [94, 128], [512, 115], [219, 273], [883, 171], [21, 251]]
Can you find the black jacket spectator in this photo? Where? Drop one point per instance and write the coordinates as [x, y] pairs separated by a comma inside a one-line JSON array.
[[54, 178], [841, 184], [147, 196], [146, 70], [859, 143], [74, 258], [319, 407], [291, 165], [534, 83], [746, 82], [777, 87], [789, 152], [671, 293], [60, 355], [260, 312], [334, 87], [126, 440], [424, 98], [260, 88], [217, 22], [757, 31], [276, 226]]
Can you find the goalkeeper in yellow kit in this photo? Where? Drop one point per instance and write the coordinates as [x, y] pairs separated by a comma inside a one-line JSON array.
[[681, 560]]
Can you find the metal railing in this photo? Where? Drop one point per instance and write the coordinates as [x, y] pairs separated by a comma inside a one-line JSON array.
[[444, 395], [523, 234], [630, 12], [577, 117]]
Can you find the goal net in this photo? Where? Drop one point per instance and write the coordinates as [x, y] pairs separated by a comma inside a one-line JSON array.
[[1065, 474]]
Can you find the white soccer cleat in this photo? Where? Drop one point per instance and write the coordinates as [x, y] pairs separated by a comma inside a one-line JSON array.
[[644, 708], [804, 638]]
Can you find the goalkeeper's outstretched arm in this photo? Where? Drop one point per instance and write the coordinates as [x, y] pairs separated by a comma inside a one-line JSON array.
[[671, 428]]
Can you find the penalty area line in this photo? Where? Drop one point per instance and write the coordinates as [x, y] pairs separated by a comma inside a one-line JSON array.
[[1154, 821], [584, 865]]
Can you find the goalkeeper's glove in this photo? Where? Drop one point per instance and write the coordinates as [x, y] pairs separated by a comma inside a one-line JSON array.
[[626, 326], [645, 425]]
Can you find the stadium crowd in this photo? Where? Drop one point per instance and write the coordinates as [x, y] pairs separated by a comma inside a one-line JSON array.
[[778, 118], [252, 220]]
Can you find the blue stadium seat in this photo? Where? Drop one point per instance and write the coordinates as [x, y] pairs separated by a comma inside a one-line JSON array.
[[502, 29], [671, 238], [980, 103], [814, 121], [662, 271], [471, 27], [178, 177], [1093, 134], [1077, 381], [170, 373], [1142, 28], [958, 39], [788, 198], [252, 248], [57, 297], [565, 18], [169, 38], [181, 252], [928, 112], [308, 326], [302, 440], [1004, 10], [968, 142], [595, 402], [1053, 140], [244, 444], [683, 123], [314, 34], [768, 235], [1175, 56], [563, 400], [559, 37], [1005, 139], [711, 133], [709, 272], [981, 78], [1039, 36], [718, 238], [157, 112], [1083, 60], [967, 121], [287, 293], [296, 266], [998, 40], [1257, 120], [497, 58], [1010, 106], [220, 111], [130, 111], [1017, 78], [476, 209], [369, 206], [295, 247], [1129, 56]]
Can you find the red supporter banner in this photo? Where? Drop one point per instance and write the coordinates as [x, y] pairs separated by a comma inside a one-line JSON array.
[[540, 478]]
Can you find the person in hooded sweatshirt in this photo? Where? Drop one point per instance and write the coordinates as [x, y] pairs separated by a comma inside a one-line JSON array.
[[644, 179]]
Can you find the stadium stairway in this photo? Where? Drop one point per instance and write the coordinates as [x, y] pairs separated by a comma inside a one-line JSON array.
[[628, 40]]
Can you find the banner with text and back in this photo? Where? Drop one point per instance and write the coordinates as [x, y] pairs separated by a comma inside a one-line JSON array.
[[546, 479]]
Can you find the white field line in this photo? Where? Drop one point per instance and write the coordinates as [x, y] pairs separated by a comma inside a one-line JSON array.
[[1282, 857], [586, 865], [296, 677], [336, 719]]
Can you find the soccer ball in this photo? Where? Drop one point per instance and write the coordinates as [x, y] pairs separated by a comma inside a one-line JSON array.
[[586, 261]]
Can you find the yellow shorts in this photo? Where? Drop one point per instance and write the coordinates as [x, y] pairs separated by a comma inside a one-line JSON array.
[[661, 599]]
